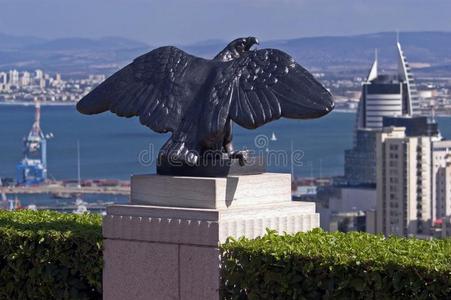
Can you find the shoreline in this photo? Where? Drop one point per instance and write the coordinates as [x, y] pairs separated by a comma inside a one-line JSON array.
[[21, 103]]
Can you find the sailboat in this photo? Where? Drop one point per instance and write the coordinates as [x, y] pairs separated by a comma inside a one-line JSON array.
[[273, 137]]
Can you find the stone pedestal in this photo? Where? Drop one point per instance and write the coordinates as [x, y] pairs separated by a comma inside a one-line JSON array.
[[164, 245]]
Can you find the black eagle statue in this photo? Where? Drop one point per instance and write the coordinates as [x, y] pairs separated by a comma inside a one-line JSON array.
[[197, 99]]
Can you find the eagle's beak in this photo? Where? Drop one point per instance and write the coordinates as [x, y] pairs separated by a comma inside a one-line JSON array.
[[255, 43]]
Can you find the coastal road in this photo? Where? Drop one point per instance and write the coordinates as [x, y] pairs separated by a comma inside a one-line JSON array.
[[63, 190]]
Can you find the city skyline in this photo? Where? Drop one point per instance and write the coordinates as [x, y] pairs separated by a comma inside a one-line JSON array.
[[162, 22]]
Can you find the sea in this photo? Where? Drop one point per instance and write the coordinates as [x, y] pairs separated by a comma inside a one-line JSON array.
[[113, 147]]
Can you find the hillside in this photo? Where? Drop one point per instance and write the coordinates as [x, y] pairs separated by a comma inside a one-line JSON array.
[[338, 54]]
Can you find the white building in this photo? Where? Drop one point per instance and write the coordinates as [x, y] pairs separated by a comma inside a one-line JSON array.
[[57, 81], [404, 187], [14, 77], [39, 74], [25, 79], [405, 75], [441, 179], [42, 83]]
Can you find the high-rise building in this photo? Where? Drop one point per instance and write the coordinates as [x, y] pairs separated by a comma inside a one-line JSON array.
[[387, 95], [411, 98], [415, 126], [25, 79], [404, 189], [3, 78], [382, 96], [39, 74], [57, 81], [441, 180], [360, 161], [14, 77], [3, 81], [413, 178], [42, 83]]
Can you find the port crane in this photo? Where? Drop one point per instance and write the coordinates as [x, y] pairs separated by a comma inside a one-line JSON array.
[[32, 169]]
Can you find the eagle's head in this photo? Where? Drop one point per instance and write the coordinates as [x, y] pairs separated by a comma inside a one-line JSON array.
[[237, 47], [242, 45]]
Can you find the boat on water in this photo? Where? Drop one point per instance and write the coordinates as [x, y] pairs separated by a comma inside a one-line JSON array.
[[62, 195], [32, 207], [273, 137], [77, 206]]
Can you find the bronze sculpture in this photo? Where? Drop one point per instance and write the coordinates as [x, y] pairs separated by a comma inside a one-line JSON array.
[[197, 99]]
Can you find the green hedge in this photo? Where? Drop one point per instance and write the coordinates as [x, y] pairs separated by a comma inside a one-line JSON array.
[[49, 255], [320, 265]]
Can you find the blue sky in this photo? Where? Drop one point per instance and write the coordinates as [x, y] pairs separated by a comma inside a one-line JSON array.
[[187, 21]]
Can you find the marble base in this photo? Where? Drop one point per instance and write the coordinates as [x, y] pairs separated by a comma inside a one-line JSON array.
[[211, 192], [168, 249]]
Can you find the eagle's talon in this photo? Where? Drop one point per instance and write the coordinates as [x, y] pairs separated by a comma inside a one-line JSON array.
[[191, 159], [242, 156]]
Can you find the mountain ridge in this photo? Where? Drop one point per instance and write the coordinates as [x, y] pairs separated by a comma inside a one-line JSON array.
[[327, 53]]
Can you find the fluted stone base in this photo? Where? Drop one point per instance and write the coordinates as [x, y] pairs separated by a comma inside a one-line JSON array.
[[168, 249]]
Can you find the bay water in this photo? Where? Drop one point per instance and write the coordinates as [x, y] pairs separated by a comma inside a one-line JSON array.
[[113, 147]]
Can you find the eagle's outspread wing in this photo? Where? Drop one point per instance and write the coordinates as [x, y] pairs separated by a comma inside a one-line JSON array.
[[267, 84], [154, 87]]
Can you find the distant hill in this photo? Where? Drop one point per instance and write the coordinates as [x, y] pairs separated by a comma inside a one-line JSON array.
[[84, 44], [427, 47], [342, 54], [73, 56], [17, 42]]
